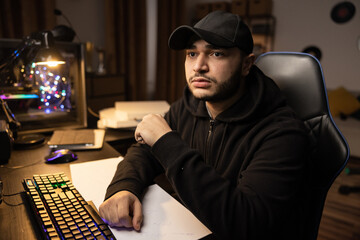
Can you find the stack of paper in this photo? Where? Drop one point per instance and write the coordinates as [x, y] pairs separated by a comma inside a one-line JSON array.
[[127, 114], [164, 217]]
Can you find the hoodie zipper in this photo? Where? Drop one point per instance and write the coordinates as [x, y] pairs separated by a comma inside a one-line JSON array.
[[211, 127]]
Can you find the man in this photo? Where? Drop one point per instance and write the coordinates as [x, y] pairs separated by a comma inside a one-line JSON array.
[[231, 148]]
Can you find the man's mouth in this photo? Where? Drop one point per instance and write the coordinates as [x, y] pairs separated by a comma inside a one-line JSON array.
[[200, 82]]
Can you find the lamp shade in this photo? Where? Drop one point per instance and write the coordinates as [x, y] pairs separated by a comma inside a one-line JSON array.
[[48, 56]]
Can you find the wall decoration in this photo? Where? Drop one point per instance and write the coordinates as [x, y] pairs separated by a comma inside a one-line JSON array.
[[313, 50], [343, 12]]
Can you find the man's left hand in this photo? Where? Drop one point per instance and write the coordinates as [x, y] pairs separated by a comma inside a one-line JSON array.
[[151, 128]]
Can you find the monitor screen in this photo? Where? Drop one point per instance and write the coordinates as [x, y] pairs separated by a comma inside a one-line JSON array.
[[43, 98]]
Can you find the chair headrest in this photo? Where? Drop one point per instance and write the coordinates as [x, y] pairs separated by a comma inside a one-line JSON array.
[[300, 78]]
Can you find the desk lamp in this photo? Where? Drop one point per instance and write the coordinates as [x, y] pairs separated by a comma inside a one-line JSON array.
[[48, 55], [33, 71], [34, 49]]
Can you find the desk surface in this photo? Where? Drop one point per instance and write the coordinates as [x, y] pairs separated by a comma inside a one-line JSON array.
[[15, 222]]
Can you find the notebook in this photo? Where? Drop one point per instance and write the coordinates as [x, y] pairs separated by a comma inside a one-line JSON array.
[[77, 139]]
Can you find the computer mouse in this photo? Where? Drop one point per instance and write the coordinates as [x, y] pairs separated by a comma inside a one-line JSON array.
[[61, 156]]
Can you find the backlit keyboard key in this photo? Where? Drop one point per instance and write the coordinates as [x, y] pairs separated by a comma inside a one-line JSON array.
[[62, 211]]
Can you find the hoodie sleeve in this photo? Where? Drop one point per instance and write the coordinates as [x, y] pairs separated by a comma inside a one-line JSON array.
[[135, 172]]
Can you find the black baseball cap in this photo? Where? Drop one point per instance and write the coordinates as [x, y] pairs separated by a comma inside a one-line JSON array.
[[220, 28]]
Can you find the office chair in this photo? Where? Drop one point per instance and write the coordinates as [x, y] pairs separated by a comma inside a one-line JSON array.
[[300, 78]]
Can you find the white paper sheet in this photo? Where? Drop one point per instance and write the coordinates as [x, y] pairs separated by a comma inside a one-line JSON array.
[[164, 217]]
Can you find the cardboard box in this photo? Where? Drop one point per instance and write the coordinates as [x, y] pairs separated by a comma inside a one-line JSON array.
[[260, 8], [202, 9], [224, 6], [239, 7]]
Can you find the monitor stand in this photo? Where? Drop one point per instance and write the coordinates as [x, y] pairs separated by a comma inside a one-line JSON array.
[[31, 140]]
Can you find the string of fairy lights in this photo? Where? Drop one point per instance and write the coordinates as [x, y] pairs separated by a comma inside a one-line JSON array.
[[53, 89]]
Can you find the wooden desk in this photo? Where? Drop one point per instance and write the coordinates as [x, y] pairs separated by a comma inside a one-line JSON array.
[[15, 221], [120, 139]]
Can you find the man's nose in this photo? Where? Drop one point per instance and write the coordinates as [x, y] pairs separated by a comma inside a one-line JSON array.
[[201, 64]]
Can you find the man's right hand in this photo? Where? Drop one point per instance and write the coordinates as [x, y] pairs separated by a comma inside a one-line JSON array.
[[123, 209]]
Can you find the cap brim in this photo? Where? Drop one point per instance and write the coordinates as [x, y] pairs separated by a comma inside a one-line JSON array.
[[179, 39]]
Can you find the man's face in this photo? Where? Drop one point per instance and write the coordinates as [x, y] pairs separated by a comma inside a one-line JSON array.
[[213, 74]]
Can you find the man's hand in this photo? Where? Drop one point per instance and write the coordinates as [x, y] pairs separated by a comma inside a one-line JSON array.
[[123, 209], [151, 128]]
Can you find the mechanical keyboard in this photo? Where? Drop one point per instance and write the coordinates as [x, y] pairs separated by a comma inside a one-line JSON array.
[[61, 211]]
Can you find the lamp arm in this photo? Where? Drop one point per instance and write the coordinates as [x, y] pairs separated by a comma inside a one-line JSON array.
[[27, 51], [14, 124], [24, 45], [7, 63]]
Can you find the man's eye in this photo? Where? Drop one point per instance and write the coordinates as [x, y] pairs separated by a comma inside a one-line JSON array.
[[191, 54], [218, 54]]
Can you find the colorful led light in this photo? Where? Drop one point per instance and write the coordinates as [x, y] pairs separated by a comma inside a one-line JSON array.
[[19, 96]]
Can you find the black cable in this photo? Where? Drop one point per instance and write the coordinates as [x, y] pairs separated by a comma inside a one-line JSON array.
[[12, 205], [10, 195], [93, 113], [58, 12], [21, 166]]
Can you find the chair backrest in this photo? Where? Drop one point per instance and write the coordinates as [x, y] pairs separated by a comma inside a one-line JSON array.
[[300, 78]]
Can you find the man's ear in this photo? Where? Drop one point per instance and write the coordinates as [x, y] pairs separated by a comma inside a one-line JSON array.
[[248, 61]]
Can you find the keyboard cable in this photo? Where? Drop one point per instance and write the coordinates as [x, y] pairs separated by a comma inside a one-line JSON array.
[[2, 197]]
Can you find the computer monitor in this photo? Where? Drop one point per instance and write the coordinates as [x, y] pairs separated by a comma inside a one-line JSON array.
[[44, 98]]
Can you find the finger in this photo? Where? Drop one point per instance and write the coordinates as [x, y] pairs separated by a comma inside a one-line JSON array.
[[140, 140], [109, 217], [136, 134], [138, 137], [125, 221], [137, 216], [102, 213], [124, 213]]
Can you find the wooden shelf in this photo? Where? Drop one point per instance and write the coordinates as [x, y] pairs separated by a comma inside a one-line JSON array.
[[103, 90], [263, 30]]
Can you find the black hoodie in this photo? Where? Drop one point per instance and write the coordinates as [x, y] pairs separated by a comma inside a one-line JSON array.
[[241, 174]]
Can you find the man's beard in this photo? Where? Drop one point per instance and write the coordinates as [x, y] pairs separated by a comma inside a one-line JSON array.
[[225, 90]]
